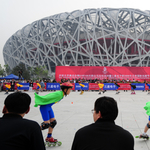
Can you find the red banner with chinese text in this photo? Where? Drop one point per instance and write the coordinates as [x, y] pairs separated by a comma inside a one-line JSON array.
[[95, 72]]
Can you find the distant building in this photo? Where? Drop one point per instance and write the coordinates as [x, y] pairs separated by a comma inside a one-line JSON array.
[[92, 37]]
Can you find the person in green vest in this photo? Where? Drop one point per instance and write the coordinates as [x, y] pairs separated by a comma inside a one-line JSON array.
[[144, 134], [45, 102]]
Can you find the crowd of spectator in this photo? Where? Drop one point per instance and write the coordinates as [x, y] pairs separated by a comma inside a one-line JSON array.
[[43, 81], [101, 80], [2, 82]]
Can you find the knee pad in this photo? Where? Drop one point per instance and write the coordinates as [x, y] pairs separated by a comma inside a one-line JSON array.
[[44, 125], [53, 124], [148, 125]]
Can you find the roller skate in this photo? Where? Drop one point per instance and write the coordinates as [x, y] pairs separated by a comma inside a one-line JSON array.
[[52, 142], [143, 136], [117, 92], [37, 92], [81, 92], [99, 93]]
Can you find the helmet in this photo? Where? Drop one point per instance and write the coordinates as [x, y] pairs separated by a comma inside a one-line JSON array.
[[67, 85]]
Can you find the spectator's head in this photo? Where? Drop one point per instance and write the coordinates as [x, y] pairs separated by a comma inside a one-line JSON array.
[[17, 102], [105, 108]]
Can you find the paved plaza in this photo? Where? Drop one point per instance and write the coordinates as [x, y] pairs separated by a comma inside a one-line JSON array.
[[74, 112]]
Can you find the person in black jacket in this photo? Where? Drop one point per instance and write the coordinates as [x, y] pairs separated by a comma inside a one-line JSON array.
[[104, 134], [17, 133], [12, 83], [117, 87], [133, 87]]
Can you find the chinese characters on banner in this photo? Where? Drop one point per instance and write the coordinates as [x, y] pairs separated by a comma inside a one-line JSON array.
[[94, 72], [94, 86]]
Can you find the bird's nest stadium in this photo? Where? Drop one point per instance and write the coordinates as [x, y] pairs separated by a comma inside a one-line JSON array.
[[92, 37]]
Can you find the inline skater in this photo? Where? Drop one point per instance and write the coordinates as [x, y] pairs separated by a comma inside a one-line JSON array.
[[38, 87], [18, 85], [148, 88], [101, 85], [117, 87], [82, 85], [8, 86], [133, 87], [144, 134], [45, 103]]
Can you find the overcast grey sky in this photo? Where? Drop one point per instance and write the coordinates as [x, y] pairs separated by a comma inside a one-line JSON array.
[[15, 14]]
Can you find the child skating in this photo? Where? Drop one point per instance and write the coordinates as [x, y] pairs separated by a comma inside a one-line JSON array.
[[117, 87], [101, 85], [82, 85], [133, 87], [45, 103], [8, 86], [148, 88], [18, 85], [144, 135], [38, 87]]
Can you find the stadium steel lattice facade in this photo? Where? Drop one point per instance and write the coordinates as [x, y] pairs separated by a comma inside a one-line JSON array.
[[92, 37]]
